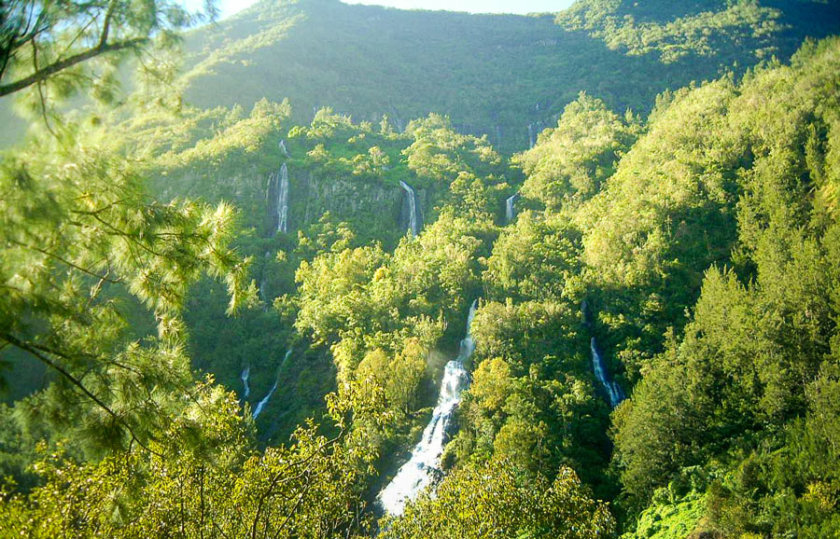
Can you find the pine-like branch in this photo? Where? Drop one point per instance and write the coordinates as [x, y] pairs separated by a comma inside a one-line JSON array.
[[47, 71]]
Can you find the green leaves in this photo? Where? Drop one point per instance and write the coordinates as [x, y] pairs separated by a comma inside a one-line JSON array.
[[77, 228], [496, 499]]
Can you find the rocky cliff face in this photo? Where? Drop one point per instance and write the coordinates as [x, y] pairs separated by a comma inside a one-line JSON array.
[[373, 208]]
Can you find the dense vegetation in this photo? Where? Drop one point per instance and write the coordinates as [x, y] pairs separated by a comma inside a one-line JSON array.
[[151, 302], [492, 74]]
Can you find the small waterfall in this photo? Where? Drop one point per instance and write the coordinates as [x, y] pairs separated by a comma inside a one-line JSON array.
[[414, 218], [282, 147], [246, 389], [263, 402], [610, 386], [283, 200], [260, 405], [530, 136], [510, 211], [416, 474]]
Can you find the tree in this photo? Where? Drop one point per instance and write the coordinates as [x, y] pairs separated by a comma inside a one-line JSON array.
[[58, 44], [77, 228], [495, 499]]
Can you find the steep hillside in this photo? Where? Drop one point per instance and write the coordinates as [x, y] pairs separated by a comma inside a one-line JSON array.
[[502, 75]]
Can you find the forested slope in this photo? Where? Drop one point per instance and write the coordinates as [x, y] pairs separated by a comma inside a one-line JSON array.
[[492, 74], [242, 319]]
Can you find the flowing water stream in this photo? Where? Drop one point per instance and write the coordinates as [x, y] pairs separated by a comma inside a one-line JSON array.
[[510, 210], [260, 405], [283, 200], [246, 373], [610, 386], [414, 219], [418, 473]]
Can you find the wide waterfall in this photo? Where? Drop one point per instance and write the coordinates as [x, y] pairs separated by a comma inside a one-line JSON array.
[[510, 211], [414, 219], [260, 405], [418, 473], [246, 389], [610, 386], [283, 200]]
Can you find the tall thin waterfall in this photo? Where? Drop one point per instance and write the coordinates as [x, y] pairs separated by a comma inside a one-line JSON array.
[[246, 389], [260, 405], [283, 200], [610, 386], [530, 136], [416, 474], [414, 209], [510, 211]]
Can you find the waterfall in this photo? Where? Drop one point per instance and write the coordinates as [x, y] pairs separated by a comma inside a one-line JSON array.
[[510, 211], [262, 291], [414, 219], [283, 200], [530, 136], [264, 401], [610, 386], [282, 147], [246, 373], [416, 474], [260, 405]]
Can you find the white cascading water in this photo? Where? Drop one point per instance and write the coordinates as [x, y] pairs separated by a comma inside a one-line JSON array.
[[246, 373], [260, 405], [610, 386], [530, 136], [416, 474], [413, 219], [283, 200], [510, 211]]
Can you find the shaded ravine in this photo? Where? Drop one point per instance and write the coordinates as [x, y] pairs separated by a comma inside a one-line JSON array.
[[613, 391], [417, 474]]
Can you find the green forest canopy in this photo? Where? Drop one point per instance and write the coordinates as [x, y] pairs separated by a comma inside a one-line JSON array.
[[703, 240]]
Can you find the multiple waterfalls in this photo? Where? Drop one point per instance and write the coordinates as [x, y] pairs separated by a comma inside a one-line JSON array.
[[418, 473], [422, 468]]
